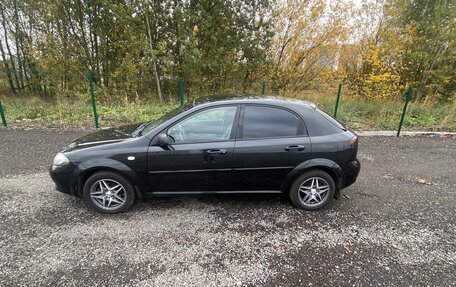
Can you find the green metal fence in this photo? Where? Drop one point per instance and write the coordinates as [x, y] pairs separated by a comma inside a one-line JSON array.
[[90, 78], [182, 90], [404, 110], [339, 91], [2, 114]]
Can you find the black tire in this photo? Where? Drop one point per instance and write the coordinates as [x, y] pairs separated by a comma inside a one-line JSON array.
[[128, 192], [315, 200]]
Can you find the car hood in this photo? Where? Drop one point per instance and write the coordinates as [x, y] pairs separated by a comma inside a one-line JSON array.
[[102, 137]]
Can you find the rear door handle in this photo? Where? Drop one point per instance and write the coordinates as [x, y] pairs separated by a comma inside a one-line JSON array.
[[295, 147], [216, 151]]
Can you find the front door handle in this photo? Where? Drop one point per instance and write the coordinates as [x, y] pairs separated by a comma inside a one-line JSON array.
[[295, 147], [216, 151]]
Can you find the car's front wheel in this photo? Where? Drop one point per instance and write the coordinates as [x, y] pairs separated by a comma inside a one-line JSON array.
[[312, 190], [109, 192]]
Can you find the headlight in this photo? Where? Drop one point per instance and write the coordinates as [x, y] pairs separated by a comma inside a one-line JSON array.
[[59, 160]]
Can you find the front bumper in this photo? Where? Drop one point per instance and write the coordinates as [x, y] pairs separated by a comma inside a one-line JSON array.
[[64, 180]]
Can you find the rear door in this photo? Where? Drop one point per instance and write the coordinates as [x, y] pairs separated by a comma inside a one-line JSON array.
[[271, 141]]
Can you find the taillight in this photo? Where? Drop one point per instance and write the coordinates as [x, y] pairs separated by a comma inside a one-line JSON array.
[[353, 142]]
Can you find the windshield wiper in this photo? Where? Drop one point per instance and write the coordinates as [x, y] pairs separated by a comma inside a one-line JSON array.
[[138, 131]]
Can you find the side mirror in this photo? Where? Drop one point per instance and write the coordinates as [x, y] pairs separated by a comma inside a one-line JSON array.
[[163, 140]]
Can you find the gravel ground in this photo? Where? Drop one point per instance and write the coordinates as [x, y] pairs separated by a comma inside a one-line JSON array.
[[396, 228]]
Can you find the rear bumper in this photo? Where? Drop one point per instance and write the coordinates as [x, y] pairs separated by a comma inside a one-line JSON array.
[[351, 171]]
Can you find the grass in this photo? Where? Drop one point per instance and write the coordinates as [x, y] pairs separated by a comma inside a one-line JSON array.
[[357, 113], [361, 114], [78, 112]]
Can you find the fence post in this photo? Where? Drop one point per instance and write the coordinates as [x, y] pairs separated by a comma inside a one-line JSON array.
[[92, 95], [2, 114], [181, 91], [263, 87], [339, 91], [407, 100]]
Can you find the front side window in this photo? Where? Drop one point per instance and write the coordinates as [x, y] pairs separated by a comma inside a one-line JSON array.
[[206, 126], [268, 122]]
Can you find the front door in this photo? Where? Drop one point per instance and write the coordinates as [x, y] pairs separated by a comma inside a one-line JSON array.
[[200, 156]]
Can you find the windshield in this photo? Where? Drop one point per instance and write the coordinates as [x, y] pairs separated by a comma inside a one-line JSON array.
[[148, 126]]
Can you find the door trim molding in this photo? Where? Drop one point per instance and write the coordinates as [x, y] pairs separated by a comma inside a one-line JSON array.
[[262, 168], [221, 169], [191, 170], [215, 192]]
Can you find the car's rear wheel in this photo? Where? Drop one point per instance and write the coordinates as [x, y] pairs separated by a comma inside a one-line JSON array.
[[312, 190], [109, 192]]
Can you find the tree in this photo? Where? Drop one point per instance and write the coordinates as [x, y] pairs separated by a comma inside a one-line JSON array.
[[306, 41], [428, 30]]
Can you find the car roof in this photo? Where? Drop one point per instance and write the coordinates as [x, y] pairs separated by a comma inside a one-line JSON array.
[[251, 99]]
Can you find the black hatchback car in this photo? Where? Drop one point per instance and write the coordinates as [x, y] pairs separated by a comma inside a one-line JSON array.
[[248, 145]]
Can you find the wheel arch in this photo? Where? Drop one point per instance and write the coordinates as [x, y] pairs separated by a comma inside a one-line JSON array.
[[326, 165], [87, 169]]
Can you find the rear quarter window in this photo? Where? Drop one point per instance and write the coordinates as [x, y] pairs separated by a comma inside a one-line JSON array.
[[331, 119], [320, 124]]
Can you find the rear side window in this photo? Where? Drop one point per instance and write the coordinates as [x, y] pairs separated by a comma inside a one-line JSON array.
[[268, 122]]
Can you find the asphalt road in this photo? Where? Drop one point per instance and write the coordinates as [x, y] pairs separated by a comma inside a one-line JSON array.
[[396, 228]]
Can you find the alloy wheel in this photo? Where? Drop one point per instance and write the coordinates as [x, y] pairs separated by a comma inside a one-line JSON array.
[[108, 194], [313, 191]]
